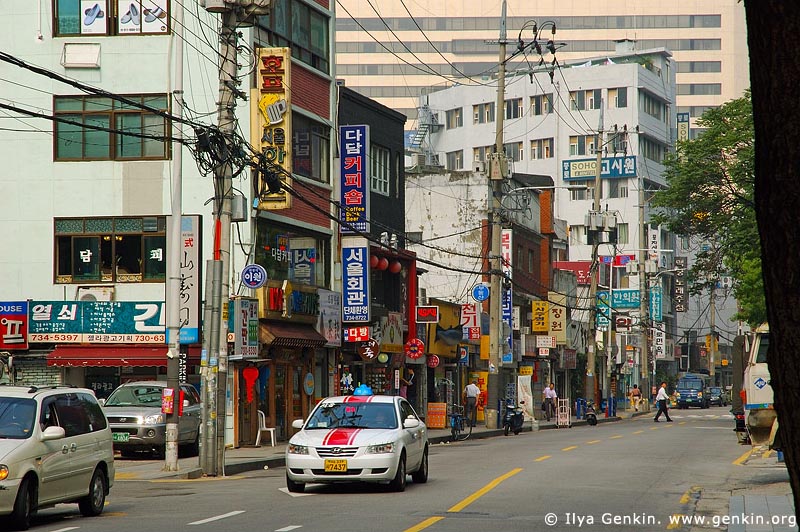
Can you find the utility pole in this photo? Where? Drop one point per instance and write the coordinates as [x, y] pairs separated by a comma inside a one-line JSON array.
[[173, 295], [712, 355], [496, 285], [593, 223], [643, 308]]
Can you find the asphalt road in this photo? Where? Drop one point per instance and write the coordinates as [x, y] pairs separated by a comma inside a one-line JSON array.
[[626, 476]]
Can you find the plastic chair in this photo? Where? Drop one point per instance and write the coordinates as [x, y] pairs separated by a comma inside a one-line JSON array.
[[262, 427]]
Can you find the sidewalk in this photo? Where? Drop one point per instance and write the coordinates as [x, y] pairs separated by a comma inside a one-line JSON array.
[[239, 460]]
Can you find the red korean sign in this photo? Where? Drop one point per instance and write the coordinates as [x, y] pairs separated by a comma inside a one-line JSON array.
[[356, 334], [428, 314], [433, 361], [13, 325], [414, 348]]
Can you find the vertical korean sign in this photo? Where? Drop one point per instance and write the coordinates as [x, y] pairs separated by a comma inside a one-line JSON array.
[[558, 317], [190, 280], [245, 328], [355, 280], [470, 322], [679, 295], [13, 325], [539, 316], [683, 126], [271, 123], [354, 175], [506, 248], [655, 303]]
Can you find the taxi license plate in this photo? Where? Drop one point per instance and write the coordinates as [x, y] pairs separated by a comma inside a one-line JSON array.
[[120, 436], [336, 466]]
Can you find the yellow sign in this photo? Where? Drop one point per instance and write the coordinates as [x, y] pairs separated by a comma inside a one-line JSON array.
[[539, 311], [526, 370], [558, 317]]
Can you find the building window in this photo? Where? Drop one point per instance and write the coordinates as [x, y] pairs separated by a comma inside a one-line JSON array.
[[582, 194], [530, 261], [581, 144], [583, 100], [113, 250], [577, 235], [109, 17], [379, 170], [455, 160], [513, 151], [618, 98], [653, 106], [480, 153], [513, 108], [311, 148], [622, 234], [454, 118], [617, 188], [542, 149], [302, 28], [542, 104], [651, 149], [618, 142], [291, 253], [699, 89], [112, 130], [483, 113]]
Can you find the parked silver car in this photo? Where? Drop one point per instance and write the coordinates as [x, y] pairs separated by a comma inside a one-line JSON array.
[[137, 424]]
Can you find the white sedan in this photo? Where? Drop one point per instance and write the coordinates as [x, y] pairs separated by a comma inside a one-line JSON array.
[[358, 438]]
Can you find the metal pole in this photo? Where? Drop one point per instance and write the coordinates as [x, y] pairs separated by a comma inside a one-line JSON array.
[[173, 295], [592, 347], [496, 286], [643, 310], [224, 190], [712, 355]]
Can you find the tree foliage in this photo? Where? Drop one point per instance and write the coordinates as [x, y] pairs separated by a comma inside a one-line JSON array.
[[709, 199]]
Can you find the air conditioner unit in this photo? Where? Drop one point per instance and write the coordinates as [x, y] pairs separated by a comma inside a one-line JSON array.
[[418, 160], [94, 293]]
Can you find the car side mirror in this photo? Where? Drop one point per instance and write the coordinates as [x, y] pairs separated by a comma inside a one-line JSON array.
[[185, 403], [411, 423], [297, 424], [53, 433], [101, 402]]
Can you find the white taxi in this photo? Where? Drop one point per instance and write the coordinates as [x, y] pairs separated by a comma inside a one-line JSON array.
[[358, 438]]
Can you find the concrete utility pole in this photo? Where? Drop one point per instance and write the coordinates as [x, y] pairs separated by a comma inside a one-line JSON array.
[[173, 295], [592, 347], [643, 308], [712, 354], [496, 285]]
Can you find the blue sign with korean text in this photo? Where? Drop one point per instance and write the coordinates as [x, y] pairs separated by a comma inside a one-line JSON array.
[[620, 298], [655, 304], [254, 276], [355, 280], [354, 175], [480, 292], [610, 167]]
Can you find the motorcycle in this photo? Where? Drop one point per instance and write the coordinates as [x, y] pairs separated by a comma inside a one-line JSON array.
[[513, 417], [590, 416]]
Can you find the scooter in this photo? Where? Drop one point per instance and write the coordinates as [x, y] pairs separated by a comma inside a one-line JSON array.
[[590, 416], [513, 417]]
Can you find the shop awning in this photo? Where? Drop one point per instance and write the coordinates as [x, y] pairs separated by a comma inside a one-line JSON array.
[[287, 334], [110, 356]]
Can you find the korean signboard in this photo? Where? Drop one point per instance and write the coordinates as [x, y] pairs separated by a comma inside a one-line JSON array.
[[190, 278], [580, 268], [620, 298], [101, 322], [355, 280], [683, 126], [659, 344], [679, 295], [330, 317], [507, 255], [557, 324], [539, 312], [243, 324], [271, 121], [354, 172], [470, 322], [654, 245], [13, 325], [610, 167], [655, 304]]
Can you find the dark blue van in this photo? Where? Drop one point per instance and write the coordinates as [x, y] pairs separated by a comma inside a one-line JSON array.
[[689, 391]]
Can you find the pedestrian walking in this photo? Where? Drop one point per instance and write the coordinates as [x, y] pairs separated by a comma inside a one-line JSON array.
[[636, 397], [662, 399], [471, 394], [550, 397]]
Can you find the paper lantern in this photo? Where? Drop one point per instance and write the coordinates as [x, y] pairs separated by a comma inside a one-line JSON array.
[[383, 263], [373, 261], [395, 266]]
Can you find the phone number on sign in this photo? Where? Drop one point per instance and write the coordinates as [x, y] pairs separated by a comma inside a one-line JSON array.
[[76, 338]]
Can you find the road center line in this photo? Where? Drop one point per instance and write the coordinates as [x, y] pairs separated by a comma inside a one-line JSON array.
[[593, 441], [66, 529], [542, 458], [425, 524], [618, 436], [742, 459], [288, 528], [571, 447], [638, 432], [217, 517], [483, 491]]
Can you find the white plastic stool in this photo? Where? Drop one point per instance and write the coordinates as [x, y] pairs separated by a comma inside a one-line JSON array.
[[262, 427]]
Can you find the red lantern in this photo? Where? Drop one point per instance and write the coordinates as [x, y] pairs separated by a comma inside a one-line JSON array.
[[395, 266], [383, 263], [373, 261]]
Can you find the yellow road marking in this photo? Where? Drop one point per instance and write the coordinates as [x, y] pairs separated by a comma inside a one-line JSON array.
[[593, 441], [483, 491], [618, 436], [687, 496], [681, 423], [124, 476], [201, 479], [767, 454], [542, 458], [741, 460], [569, 448], [638, 432], [654, 428], [425, 524]]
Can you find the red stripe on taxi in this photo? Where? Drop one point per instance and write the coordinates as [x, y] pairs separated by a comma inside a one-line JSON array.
[[340, 437]]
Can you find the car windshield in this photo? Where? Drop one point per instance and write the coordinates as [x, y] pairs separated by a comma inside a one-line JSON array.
[[691, 384], [17, 416], [716, 391], [138, 395], [331, 415]]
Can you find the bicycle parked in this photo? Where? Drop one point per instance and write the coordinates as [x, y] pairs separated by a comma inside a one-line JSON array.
[[457, 421]]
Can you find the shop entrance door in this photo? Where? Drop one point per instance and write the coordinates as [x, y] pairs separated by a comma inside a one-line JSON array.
[[280, 401]]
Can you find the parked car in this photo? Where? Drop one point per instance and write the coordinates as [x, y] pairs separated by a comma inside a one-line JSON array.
[[137, 424], [716, 396], [358, 438], [55, 447]]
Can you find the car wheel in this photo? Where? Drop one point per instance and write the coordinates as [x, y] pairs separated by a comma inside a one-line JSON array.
[[399, 481], [294, 487], [24, 506], [420, 476], [93, 503]]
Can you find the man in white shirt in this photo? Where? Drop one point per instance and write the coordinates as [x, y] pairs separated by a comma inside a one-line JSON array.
[[662, 399], [550, 397], [471, 394]]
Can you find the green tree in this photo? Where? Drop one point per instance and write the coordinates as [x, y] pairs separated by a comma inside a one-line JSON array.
[[709, 199]]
